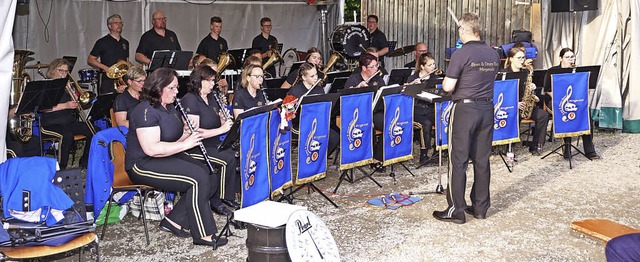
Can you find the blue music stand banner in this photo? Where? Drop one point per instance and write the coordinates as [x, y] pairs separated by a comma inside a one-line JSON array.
[[506, 127], [254, 164], [279, 155], [443, 111], [313, 142], [398, 125], [356, 132], [570, 104]]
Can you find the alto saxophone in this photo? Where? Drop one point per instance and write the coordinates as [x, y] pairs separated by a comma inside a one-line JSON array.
[[529, 97]]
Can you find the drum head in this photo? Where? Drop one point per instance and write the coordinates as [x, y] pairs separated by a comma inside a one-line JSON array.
[[351, 40], [88, 75], [309, 239], [289, 57]]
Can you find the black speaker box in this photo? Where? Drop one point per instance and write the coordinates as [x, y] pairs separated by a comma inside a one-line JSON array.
[[573, 5]]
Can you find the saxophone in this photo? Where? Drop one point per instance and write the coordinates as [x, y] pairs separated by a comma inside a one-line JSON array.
[[529, 97]]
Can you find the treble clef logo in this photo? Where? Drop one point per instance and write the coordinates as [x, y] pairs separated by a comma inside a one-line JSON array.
[[499, 116], [354, 134], [276, 161], [312, 146], [394, 130], [249, 176], [444, 117], [567, 109]]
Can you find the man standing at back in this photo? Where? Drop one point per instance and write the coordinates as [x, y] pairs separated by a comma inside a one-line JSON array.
[[378, 38], [213, 44], [420, 48], [158, 38], [265, 42], [470, 78], [110, 49]]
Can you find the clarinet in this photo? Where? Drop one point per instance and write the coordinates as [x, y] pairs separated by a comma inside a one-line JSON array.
[[221, 106], [193, 130], [266, 98]]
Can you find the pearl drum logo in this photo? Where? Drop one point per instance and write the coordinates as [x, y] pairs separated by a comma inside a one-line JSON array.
[[395, 130], [500, 115], [567, 107], [251, 165], [354, 133], [312, 146]]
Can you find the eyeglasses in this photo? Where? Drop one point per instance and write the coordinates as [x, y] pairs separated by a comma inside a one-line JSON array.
[[63, 70], [160, 18], [268, 26], [372, 66], [172, 88], [139, 81], [569, 57], [118, 23], [258, 76]]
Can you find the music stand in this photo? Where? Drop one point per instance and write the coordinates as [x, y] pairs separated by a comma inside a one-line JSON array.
[[238, 55], [522, 77], [593, 80], [275, 93], [272, 83], [310, 100], [175, 59], [399, 75], [335, 74], [102, 106], [348, 173], [72, 61], [338, 84], [41, 95], [233, 135]]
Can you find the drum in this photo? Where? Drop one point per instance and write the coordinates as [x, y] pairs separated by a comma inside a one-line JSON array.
[[88, 75], [290, 56], [350, 39]]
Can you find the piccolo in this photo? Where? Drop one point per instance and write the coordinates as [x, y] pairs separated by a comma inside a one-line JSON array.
[[193, 130]]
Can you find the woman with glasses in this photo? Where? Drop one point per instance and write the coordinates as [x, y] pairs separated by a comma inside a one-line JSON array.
[[204, 111], [568, 60], [155, 145], [368, 75], [61, 121], [516, 62], [129, 99], [249, 95]]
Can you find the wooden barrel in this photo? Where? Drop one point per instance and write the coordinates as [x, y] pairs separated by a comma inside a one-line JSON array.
[[266, 244]]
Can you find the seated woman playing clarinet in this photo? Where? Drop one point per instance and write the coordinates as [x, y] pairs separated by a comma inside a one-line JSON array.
[[249, 94], [155, 145], [204, 107], [516, 63], [423, 111]]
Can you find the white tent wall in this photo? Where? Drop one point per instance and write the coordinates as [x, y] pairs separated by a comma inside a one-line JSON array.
[[7, 12], [631, 84], [55, 28]]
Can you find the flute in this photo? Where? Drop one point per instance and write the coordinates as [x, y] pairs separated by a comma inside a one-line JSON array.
[[374, 75], [193, 130]]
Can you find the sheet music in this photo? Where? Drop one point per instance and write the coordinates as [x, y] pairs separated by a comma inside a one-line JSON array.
[[183, 72], [429, 97], [379, 93]]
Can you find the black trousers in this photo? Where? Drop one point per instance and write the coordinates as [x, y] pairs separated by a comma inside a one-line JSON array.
[[425, 116], [30, 148], [470, 136], [67, 132], [541, 118], [227, 161], [181, 173]]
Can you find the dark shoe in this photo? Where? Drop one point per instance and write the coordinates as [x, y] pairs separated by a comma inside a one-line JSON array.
[[444, 216], [593, 156], [469, 210], [534, 151], [378, 167], [168, 227], [222, 210], [231, 203], [213, 243]]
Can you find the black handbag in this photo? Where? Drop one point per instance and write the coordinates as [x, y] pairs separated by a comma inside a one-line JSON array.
[[521, 35]]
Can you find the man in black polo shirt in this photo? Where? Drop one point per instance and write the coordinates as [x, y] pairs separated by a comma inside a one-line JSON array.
[[110, 49], [213, 43], [420, 48], [470, 78], [158, 38], [378, 39], [265, 42]]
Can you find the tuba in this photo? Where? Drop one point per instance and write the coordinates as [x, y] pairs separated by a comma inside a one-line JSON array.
[[529, 97], [275, 57], [224, 60], [335, 57], [20, 76], [117, 71]]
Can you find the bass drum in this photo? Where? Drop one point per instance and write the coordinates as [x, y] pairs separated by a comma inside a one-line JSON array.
[[289, 57], [350, 39]]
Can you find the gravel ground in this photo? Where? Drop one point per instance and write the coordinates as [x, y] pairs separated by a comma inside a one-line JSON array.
[[529, 220]]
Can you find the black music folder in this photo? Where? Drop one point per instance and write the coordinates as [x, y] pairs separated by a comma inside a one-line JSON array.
[[175, 59]]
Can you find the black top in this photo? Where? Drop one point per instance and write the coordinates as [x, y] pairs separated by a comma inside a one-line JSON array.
[[211, 48], [110, 50], [411, 64], [145, 115], [291, 79], [61, 117], [299, 90], [379, 41], [356, 78], [209, 114], [419, 102], [475, 66], [152, 41], [264, 44], [243, 100], [521, 86], [125, 102]]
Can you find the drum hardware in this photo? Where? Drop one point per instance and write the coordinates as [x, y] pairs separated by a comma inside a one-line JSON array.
[[117, 71], [289, 57], [88, 75], [335, 57], [84, 100], [203, 150], [350, 39], [402, 51], [37, 66], [20, 127]]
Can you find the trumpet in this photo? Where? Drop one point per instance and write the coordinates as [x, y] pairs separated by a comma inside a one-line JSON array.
[[117, 71], [193, 130], [84, 100]]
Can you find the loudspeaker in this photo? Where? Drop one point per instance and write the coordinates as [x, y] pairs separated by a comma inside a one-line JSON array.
[[573, 5]]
